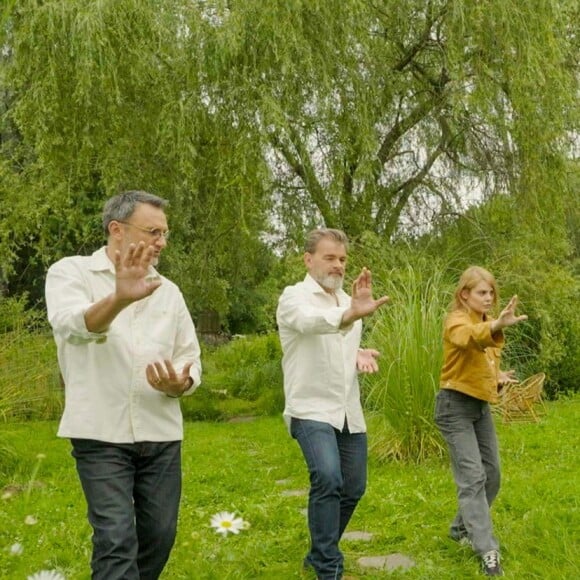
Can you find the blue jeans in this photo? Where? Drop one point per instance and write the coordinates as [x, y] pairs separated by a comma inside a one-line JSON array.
[[467, 426], [337, 462], [132, 492]]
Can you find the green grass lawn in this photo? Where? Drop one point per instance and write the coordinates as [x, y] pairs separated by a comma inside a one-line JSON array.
[[245, 467]]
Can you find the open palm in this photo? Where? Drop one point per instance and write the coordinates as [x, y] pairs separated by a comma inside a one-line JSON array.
[[131, 272]]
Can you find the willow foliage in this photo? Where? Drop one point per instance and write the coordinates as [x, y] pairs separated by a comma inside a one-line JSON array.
[[382, 113], [369, 116], [112, 95]]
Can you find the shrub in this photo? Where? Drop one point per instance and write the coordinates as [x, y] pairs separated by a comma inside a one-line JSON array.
[[29, 378], [243, 376], [400, 397]]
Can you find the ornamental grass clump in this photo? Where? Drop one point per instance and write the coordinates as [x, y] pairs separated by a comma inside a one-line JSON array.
[[408, 334]]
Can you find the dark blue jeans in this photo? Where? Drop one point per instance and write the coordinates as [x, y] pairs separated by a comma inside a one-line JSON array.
[[467, 426], [337, 462], [133, 492]]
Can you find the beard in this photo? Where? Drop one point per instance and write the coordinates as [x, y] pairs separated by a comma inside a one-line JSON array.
[[329, 281]]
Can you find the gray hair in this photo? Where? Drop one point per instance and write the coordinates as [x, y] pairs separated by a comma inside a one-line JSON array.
[[314, 237], [121, 207]]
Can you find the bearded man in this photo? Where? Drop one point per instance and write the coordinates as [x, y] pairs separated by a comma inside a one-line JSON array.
[[320, 331]]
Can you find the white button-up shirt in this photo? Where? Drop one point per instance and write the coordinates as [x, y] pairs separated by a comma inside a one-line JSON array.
[[319, 358], [107, 396]]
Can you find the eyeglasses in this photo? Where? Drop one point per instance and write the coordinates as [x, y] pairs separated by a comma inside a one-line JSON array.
[[155, 233]]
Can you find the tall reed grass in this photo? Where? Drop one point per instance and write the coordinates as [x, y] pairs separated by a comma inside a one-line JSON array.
[[29, 379], [408, 333]]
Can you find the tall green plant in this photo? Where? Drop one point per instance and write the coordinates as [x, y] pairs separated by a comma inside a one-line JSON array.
[[408, 334], [29, 378]]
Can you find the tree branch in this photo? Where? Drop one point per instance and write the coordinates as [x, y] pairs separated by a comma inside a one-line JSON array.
[[302, 167]]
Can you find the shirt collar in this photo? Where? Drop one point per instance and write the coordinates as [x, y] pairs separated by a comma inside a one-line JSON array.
[[100, 262]]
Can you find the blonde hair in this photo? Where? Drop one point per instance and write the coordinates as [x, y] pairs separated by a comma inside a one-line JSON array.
[[469, 279]]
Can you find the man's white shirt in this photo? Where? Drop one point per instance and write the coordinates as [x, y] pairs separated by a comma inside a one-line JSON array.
[[107, 396], [319, 358]]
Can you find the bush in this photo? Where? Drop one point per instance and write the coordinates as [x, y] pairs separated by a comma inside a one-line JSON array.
[[408, 333], [241, 377], [29, 379]]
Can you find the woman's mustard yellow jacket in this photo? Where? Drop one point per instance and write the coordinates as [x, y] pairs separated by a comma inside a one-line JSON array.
[[471, 355]]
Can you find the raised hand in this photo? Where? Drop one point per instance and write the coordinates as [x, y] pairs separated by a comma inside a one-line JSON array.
[[366, 360], [362, 302], [508, 316], [131, 270], [163, 377]]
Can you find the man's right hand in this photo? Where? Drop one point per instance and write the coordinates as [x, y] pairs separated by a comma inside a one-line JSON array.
[[362, 302], [131, 271], [130, 285]]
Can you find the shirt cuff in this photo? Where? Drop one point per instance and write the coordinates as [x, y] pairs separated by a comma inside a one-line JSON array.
[[78, 332]]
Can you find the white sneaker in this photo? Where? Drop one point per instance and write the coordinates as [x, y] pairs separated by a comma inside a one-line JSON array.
[[490, 564]]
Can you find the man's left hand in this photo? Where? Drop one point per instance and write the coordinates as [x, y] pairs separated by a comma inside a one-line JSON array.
[[164, 378], [366, 360]]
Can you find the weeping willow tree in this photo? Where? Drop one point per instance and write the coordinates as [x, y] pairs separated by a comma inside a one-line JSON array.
[[372, 116], [379, 115], [106, 96]]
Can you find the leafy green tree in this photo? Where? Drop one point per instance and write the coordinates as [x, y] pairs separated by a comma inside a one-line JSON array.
[[377, 116], [261, 118], [110, 96]]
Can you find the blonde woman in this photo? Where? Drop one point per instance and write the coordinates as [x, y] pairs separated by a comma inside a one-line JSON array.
[[470, 378]]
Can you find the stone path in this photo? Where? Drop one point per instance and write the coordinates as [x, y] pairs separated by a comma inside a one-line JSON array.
[[357, 536], [390, 562], [242, 419], [294, 492], [386, 563]]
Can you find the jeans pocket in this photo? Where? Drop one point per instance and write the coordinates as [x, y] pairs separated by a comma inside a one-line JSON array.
[[438, 405]]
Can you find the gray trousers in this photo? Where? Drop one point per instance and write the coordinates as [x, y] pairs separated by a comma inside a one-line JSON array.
[[467, 426]]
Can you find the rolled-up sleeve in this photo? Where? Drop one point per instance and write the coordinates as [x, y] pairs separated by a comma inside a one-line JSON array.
[[67, 300], [294, 313]]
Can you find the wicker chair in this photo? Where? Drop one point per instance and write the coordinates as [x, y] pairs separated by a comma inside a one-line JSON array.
[[522, 401]]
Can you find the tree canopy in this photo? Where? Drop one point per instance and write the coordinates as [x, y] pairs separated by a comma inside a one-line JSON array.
[[258, 120]]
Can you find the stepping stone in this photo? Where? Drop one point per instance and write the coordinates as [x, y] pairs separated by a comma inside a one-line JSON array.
[[304, 512], [242, 419], [294, 492], [283, 481], [358, 536], [390, 562]]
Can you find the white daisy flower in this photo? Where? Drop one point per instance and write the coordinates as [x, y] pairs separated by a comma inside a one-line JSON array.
[[47, 575], [16, 549], [30, 520], [225, 522]]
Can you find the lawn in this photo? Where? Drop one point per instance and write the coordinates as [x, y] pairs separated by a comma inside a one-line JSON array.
[[256, 469]]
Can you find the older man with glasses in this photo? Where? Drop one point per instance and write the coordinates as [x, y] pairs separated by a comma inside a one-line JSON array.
[[127, 351]]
